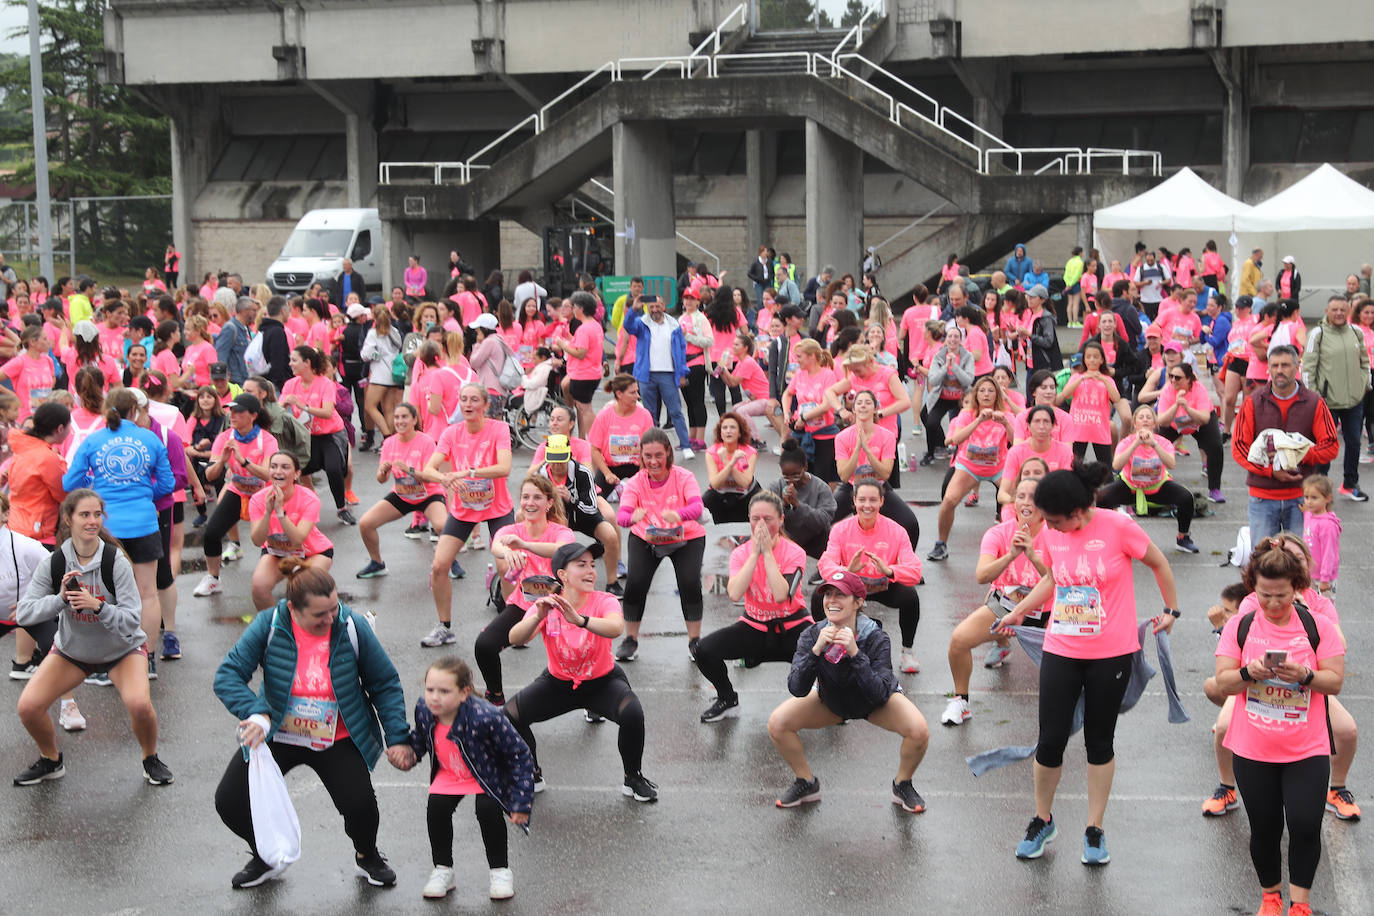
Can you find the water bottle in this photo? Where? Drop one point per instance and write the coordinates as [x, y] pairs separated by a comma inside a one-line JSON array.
[[901, 455], [491, 575], [836, 651]]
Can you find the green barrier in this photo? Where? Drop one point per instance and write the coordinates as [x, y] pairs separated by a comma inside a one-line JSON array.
[[613, 287]]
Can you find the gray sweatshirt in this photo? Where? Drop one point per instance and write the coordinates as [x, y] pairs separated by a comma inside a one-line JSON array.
[[815, 514], [85, 636]]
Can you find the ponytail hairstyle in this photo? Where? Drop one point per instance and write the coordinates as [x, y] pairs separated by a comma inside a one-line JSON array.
[[314, 357], [154, 384], [545, 486], [620, 382], [201, 325], [1272, 560], [163, 335], [48, 418], [304, 582], [1064, 492], [120, 404], [452, 664], [381, 320], [89, 385]]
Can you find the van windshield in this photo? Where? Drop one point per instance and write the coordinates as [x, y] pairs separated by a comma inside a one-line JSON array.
[[317, 243]]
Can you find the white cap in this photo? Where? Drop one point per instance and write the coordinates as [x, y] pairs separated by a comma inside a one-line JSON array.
[[1288, 259], [486, 320]]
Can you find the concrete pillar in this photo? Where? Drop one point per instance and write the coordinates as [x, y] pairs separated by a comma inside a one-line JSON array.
[[760, 167], [834, 202], [1083, 233], [642, 177], [197, 135], [1233, 69], [355, 100]]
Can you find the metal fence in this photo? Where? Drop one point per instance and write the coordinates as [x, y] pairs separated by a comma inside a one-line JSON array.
[[110, 238]]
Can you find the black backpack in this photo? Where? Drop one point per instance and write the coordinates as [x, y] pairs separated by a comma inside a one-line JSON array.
[[57, 566], [1309, 623]]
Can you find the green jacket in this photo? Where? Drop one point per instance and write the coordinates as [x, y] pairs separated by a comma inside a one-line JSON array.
[[366, 685], [1336, 364]]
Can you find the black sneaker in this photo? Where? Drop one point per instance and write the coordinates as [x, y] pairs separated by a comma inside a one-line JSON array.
[[615, 588], [254, 873], [692, 647], [41, 771], [628, 650], [801, 792], [905, 795], [415, 532], [639, 788], [156, 772], [721, 709], [347, 517], [1184, 544], [592, 718], [373, 867], [22, 671], [938, 552]]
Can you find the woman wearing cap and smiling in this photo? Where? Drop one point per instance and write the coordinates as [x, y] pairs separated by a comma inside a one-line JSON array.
[[848, 658]]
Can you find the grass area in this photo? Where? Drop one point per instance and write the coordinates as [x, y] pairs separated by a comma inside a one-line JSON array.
[[61, 267]]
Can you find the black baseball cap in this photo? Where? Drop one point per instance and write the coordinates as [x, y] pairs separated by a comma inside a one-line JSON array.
[[566, 553]]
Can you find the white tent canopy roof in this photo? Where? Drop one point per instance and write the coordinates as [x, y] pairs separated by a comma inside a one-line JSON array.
[[1183, 202], [1325, 199]]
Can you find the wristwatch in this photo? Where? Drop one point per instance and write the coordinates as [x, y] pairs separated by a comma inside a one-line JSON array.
[[1245, 673], [1174, 611], [1308, 680]]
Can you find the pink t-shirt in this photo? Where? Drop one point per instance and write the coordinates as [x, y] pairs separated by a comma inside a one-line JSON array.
[[1196, 397], [165, 361], [576, 654], [444, 382], [1146, 470], [617, 437], [33, 381], [302, 506], [241, 480], [1058, 456], [1094, 599], [296, 328], [1277, 722], [985, 450], [316, 726], [673, 494], [413, 454], [107, 366], [581, 452], [1258, 369], [1021, 573], [535, 565], [1180, 327], [112, 342], [1316, 602], [976, 342], [453, 777], [1091, 410], [886, 539], [200, 356], [808, 392], [320, 393], [531, 336], [743, 455], [477, 499], [759, 604], [319, 336], [751, 378], [1063, 426], [590, 336], [877, 383], [882, 444]]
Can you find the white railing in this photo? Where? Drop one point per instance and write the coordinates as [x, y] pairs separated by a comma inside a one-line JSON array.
[[610, 219], [856, 32], [985, 146], [909, 226]]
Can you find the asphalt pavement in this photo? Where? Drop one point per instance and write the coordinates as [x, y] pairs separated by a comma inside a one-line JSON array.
[[102, 841]]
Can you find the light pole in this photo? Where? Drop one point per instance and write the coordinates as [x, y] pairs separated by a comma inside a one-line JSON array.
[[40, 146]]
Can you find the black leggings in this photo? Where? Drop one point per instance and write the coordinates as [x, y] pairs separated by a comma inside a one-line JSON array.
[[718, 386], [694, 395], [609, 696], [490, 820], [1119, 493], [901, 597], [740, 640], [728, 507], [325, 455], [1273, 792], [492, 641], [340, 768], [228, 508], [623, 471], [1209, 440], [165, 577], [642, 562], [1102, 684], [1102, 451], [893, 507], [935, 433]]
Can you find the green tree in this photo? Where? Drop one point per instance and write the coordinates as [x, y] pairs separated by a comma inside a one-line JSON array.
[[853, 11], [791, 14]]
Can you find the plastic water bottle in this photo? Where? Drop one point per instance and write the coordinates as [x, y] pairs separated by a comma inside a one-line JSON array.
[[491, 575], [901, 455], [836, 651]]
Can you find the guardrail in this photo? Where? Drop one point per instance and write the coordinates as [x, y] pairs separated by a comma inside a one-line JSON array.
[[856, 32], [610, 219], [742, 12]]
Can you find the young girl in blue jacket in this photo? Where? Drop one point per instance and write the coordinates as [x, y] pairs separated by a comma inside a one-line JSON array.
[[478, 752]]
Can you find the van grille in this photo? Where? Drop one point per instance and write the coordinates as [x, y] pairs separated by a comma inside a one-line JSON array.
[[292, 280]]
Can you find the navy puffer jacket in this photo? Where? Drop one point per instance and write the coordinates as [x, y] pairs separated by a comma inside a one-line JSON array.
[[493, 750]]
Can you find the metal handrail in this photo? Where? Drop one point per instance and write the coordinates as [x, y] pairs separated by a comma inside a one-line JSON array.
[[1153, 157], [934, 103], [710, 254], [504, 137], [544, 112], [610, 219], [1067, 154], [911, 225], [807, 56], [857, 31], [714, 38], [682, 63]]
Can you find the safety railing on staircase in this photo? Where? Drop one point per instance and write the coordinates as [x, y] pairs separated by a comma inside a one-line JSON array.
[[601, 185]]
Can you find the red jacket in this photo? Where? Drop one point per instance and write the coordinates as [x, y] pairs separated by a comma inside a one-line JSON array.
[[36, 489], [1322, 432]]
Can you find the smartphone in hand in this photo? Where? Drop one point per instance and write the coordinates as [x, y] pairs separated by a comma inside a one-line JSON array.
[[1275, 657]]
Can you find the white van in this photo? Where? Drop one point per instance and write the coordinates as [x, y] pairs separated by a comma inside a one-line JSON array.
[[319, 243]]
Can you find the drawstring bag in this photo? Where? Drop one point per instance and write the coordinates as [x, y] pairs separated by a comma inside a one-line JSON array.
[[276, 829]]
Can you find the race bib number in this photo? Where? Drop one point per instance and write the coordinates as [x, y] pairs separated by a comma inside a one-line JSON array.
[[279, 545], [477, 492], [1277, 702], [1077, 611], [408, 488], [1147, 471], [38, 396], [624, 448], [982, 455], [309, 722], [247, 484], [655, 534]]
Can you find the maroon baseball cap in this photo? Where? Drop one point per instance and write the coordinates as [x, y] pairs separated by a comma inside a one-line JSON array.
[[846, 583]]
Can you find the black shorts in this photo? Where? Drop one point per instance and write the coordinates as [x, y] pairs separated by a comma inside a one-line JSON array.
[[144, 549], [327, 552], [403, 507], [99, 667], [583, 389], [1240, 366], [178, 513], [583, 523]]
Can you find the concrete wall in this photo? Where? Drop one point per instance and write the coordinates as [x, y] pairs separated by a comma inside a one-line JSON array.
[[998, 28], [591, 32], [246, 246], [211, 47], [393, 40], [1263, 22]]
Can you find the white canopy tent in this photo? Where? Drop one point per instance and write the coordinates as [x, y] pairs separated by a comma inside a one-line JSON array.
[[1325, 221], [1182, 212]]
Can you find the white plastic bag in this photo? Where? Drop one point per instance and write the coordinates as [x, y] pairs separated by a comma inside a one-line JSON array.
[[276, 829], [253, 357]]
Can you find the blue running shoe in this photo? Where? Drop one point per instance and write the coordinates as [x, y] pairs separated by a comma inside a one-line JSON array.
[[1095, 847], [456, 571], [171, 646], [1037, 835], [372, 570]]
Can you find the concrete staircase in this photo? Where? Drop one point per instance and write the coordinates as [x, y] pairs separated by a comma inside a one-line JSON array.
[[784, 43]]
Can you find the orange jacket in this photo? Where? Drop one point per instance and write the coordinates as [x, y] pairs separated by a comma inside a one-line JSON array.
[[35, 487]]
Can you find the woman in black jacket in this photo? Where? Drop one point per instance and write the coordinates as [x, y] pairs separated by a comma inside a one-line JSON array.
[[848, 658]]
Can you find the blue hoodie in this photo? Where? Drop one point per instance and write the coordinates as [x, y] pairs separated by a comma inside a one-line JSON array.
[[128, 467], [1032, 278], [1017, 267]]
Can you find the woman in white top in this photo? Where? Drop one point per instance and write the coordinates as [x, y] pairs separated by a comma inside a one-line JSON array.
[[380, 346]]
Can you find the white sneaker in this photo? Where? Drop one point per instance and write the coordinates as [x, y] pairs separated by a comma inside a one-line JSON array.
[[70, 718], [207, 586], [909, 664], [474, 542], [439, 636], [688, 454], [502, 884], [777, 450], [232, 552], [956, 711], [440, 882]]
